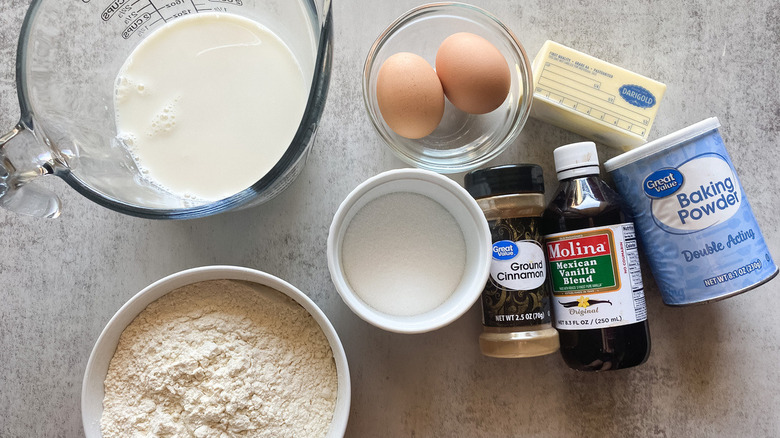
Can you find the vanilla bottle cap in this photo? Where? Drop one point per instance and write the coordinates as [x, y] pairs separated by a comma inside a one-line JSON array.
[[576, 159]]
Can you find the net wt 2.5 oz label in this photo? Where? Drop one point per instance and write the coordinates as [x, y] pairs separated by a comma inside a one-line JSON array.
[[595, 278]]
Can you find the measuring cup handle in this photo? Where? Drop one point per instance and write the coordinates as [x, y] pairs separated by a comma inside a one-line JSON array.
[[22, 159]]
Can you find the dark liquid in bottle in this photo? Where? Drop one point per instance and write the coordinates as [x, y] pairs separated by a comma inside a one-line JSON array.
[[588, 202]]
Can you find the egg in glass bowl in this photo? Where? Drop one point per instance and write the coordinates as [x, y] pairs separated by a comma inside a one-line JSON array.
[[461, 128]]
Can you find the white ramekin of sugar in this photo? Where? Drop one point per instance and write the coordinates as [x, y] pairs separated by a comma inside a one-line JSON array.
[[409, 251], [244, 290]]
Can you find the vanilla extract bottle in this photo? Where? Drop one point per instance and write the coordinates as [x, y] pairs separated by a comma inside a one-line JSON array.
[[598, 299]]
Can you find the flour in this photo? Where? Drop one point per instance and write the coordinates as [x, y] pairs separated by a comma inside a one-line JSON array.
[[221, 359]]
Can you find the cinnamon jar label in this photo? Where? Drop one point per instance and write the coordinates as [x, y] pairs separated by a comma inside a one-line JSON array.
[[516, 293]]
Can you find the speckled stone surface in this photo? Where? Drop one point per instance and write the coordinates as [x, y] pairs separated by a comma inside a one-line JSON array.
[[713, 370]]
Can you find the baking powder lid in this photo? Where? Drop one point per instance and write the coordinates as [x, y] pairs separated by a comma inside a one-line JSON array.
[[665, 142]]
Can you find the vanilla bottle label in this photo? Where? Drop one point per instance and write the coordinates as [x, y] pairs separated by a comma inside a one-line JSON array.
[[595, 278]]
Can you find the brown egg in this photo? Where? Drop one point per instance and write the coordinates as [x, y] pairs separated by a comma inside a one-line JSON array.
[[473, 72], [409, 95]]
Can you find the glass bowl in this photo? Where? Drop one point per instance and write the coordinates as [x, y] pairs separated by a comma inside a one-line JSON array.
[[462, 141]]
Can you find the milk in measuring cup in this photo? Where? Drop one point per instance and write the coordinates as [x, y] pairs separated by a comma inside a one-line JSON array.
[[208, 104]]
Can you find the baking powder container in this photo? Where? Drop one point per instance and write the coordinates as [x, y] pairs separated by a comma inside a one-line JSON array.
[[692, 216]]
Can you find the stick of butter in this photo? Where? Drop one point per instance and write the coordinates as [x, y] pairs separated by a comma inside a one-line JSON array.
[[593, 98]]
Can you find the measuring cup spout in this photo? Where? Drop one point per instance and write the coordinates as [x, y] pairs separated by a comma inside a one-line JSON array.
[[22, 159]]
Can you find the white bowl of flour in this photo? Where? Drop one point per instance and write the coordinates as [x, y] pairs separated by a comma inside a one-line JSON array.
[[217, 351]]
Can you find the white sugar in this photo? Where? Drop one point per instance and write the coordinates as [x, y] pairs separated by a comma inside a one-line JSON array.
[[403, 254]]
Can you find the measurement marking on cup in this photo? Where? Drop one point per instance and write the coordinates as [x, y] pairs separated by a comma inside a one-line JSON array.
[[134, 18], [158, 11], [172, 4], [128, 14], [112, 9], [138, 21]]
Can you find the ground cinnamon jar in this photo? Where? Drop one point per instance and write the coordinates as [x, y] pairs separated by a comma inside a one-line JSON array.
[[515, 302]]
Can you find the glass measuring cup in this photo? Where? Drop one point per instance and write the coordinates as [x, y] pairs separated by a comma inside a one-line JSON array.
[[68, 58]]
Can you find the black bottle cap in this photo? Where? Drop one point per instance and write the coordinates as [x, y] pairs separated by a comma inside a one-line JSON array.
[[505, 180]]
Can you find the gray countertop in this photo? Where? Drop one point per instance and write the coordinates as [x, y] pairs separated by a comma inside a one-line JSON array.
[[713, 370]]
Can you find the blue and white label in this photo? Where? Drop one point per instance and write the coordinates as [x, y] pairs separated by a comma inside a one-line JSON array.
[[694, 220], [708, 194], [504, 250], [637, 96], [518, 265], [663, 183]]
